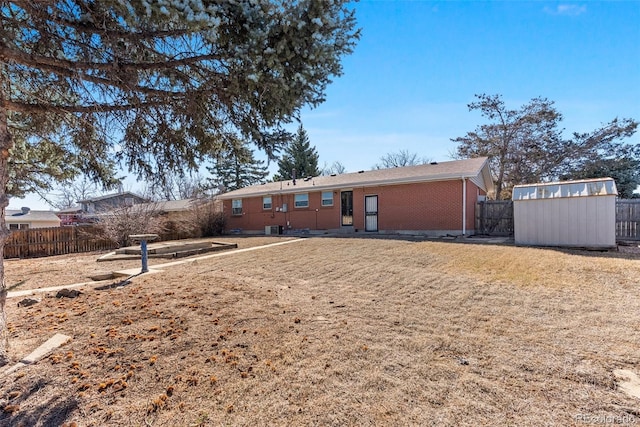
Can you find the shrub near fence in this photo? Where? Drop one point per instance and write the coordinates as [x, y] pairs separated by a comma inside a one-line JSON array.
[[39, 242]]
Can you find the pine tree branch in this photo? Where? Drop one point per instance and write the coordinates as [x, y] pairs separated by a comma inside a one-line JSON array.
[[55, 65], [23, 107]]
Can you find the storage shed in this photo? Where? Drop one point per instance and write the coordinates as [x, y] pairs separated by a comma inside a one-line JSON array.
[[570, 214]]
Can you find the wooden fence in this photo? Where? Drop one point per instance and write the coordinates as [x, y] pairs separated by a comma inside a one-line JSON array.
[[495, 218], [628, 219], [39, 242]]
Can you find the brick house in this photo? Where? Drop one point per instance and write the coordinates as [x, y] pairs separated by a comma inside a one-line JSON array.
[[434, 199]]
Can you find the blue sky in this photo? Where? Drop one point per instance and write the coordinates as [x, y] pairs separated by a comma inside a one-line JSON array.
[[419, 63]]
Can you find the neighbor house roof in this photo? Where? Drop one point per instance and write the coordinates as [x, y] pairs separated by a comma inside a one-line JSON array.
[[12, 215], [166, 205], [71, 210], [110, 196], [162, 206], [476, 170]]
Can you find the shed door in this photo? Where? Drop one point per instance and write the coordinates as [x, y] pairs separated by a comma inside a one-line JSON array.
[[371, 213]]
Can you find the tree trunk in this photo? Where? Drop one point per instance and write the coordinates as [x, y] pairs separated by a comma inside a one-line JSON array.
[[6, 143], [500, 180]]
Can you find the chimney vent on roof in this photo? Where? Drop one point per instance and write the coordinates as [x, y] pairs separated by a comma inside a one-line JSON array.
[[25, 210]]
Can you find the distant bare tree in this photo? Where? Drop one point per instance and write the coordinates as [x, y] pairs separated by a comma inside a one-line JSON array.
[[526, 145], [70, 193], [400, 159], [178, 187], [335, 168]]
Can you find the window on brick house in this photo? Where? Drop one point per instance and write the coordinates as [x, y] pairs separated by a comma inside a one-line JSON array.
[[266, 202], [301, 200], [327, 198], [236, 207]]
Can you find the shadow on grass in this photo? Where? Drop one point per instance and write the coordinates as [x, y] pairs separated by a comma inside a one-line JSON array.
[[20, 283], [51, 412], [119, 284], [113, 285]]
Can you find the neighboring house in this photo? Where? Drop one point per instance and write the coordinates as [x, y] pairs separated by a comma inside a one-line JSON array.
[[434, 199], [26, 218], [170, 209], [70, 216], [109, 202], [87, 210]]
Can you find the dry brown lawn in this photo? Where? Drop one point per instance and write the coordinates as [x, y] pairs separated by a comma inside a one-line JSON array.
[[25, 274], [335, 331]]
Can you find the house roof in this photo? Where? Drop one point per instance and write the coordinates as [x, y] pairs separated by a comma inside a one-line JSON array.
[[163, 206], [16, 215], [111, 196], [166, 205], [476, 170], [71, 210]]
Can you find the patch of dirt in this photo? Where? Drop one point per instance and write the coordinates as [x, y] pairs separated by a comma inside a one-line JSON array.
[[332, 331]]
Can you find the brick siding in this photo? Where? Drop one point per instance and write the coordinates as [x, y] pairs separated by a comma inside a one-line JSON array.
[[419, 206]]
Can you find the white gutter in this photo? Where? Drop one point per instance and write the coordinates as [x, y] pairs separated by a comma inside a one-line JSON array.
[[464, 206]]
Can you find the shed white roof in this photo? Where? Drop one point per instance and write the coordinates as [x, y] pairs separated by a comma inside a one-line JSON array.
[[476, 170], [554, 190]]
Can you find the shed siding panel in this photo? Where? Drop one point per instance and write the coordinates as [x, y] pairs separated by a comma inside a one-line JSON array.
[[573, 221], [564, 217], [584, 233]]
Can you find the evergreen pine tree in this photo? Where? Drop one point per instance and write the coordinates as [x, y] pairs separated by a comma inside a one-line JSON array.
[[238, 168], [153, 86], [299, 155]]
